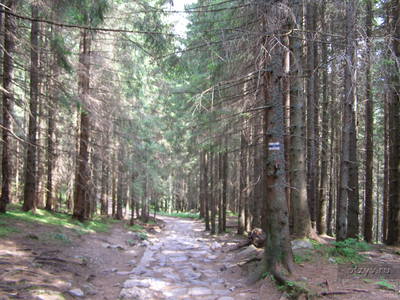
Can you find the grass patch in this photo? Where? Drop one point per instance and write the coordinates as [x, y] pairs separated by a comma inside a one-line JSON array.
[[347, 251], [57, 237], [185, 215], [136, 228], [384, 284], [55, 219], [143, 236], [7, 230], [307, 256]]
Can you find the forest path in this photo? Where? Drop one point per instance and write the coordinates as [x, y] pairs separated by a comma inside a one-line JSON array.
[[184, 263]]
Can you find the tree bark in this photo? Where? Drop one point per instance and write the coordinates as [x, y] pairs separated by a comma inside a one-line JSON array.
[[393, 233], [8, 96], [299, 205], [277, 251], [30, 166], [369, 131], [82, 180], [347, 127]]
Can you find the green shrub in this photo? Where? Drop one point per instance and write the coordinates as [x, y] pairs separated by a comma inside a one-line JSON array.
[[347, 251]]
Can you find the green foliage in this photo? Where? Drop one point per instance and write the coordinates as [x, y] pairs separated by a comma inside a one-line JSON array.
[[304, 257], [55, 219], [385, 285], [347, 251], [185, 215], [143, 236], [136, 228], [57, 237], [7, 230], [293, 289]]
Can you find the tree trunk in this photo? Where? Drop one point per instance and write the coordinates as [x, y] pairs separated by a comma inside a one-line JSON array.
[[323, 184], [83, 177], [311, 110], [369, 132], [8, 96], [393, 235], [299, 205], [30, 166], [277, 251], [213, 191], [242, 188]]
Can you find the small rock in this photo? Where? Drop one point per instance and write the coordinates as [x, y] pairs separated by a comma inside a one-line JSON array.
[[132, 262], [123, 273], [118, 247], [200, 291], [76, 293], [332, 260], [226, 298], [302, 244], [134, 293], [113, 270], [214, 246], [223, 268], [135, 283]]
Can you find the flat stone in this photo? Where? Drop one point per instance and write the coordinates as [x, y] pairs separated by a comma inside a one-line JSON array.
[[214, 246], [76, 293], [212, 257], [189, 274], [136, 283], [134, 293], [226, 298], [177, 259], [199, 291], [221, 292], [178, 292], [171, 276], [124, 273]]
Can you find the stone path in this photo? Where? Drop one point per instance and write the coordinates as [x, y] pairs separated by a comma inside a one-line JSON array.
[[181, 264]]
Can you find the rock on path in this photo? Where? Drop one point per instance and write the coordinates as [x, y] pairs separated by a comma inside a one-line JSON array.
[[180, 264]]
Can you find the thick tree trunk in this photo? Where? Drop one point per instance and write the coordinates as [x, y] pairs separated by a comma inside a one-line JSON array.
[[393, 234], [312, 101], [30, 165], [83, 177], [299, 205], [323, 184], [277, 251], [369, 132], [342, 217], [54, 95], [8, 67]]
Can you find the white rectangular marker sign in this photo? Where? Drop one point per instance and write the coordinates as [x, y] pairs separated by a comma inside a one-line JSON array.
[[274, 146]]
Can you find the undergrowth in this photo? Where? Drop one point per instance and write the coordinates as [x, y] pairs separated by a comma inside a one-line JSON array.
[[51, 218], [347, 251]]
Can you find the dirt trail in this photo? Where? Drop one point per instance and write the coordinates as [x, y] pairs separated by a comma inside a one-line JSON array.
[[183, 263]]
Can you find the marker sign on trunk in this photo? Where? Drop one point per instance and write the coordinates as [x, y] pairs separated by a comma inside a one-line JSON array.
[[274, 146]]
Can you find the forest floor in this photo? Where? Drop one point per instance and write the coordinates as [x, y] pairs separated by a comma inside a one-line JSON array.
[[174, 259]]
